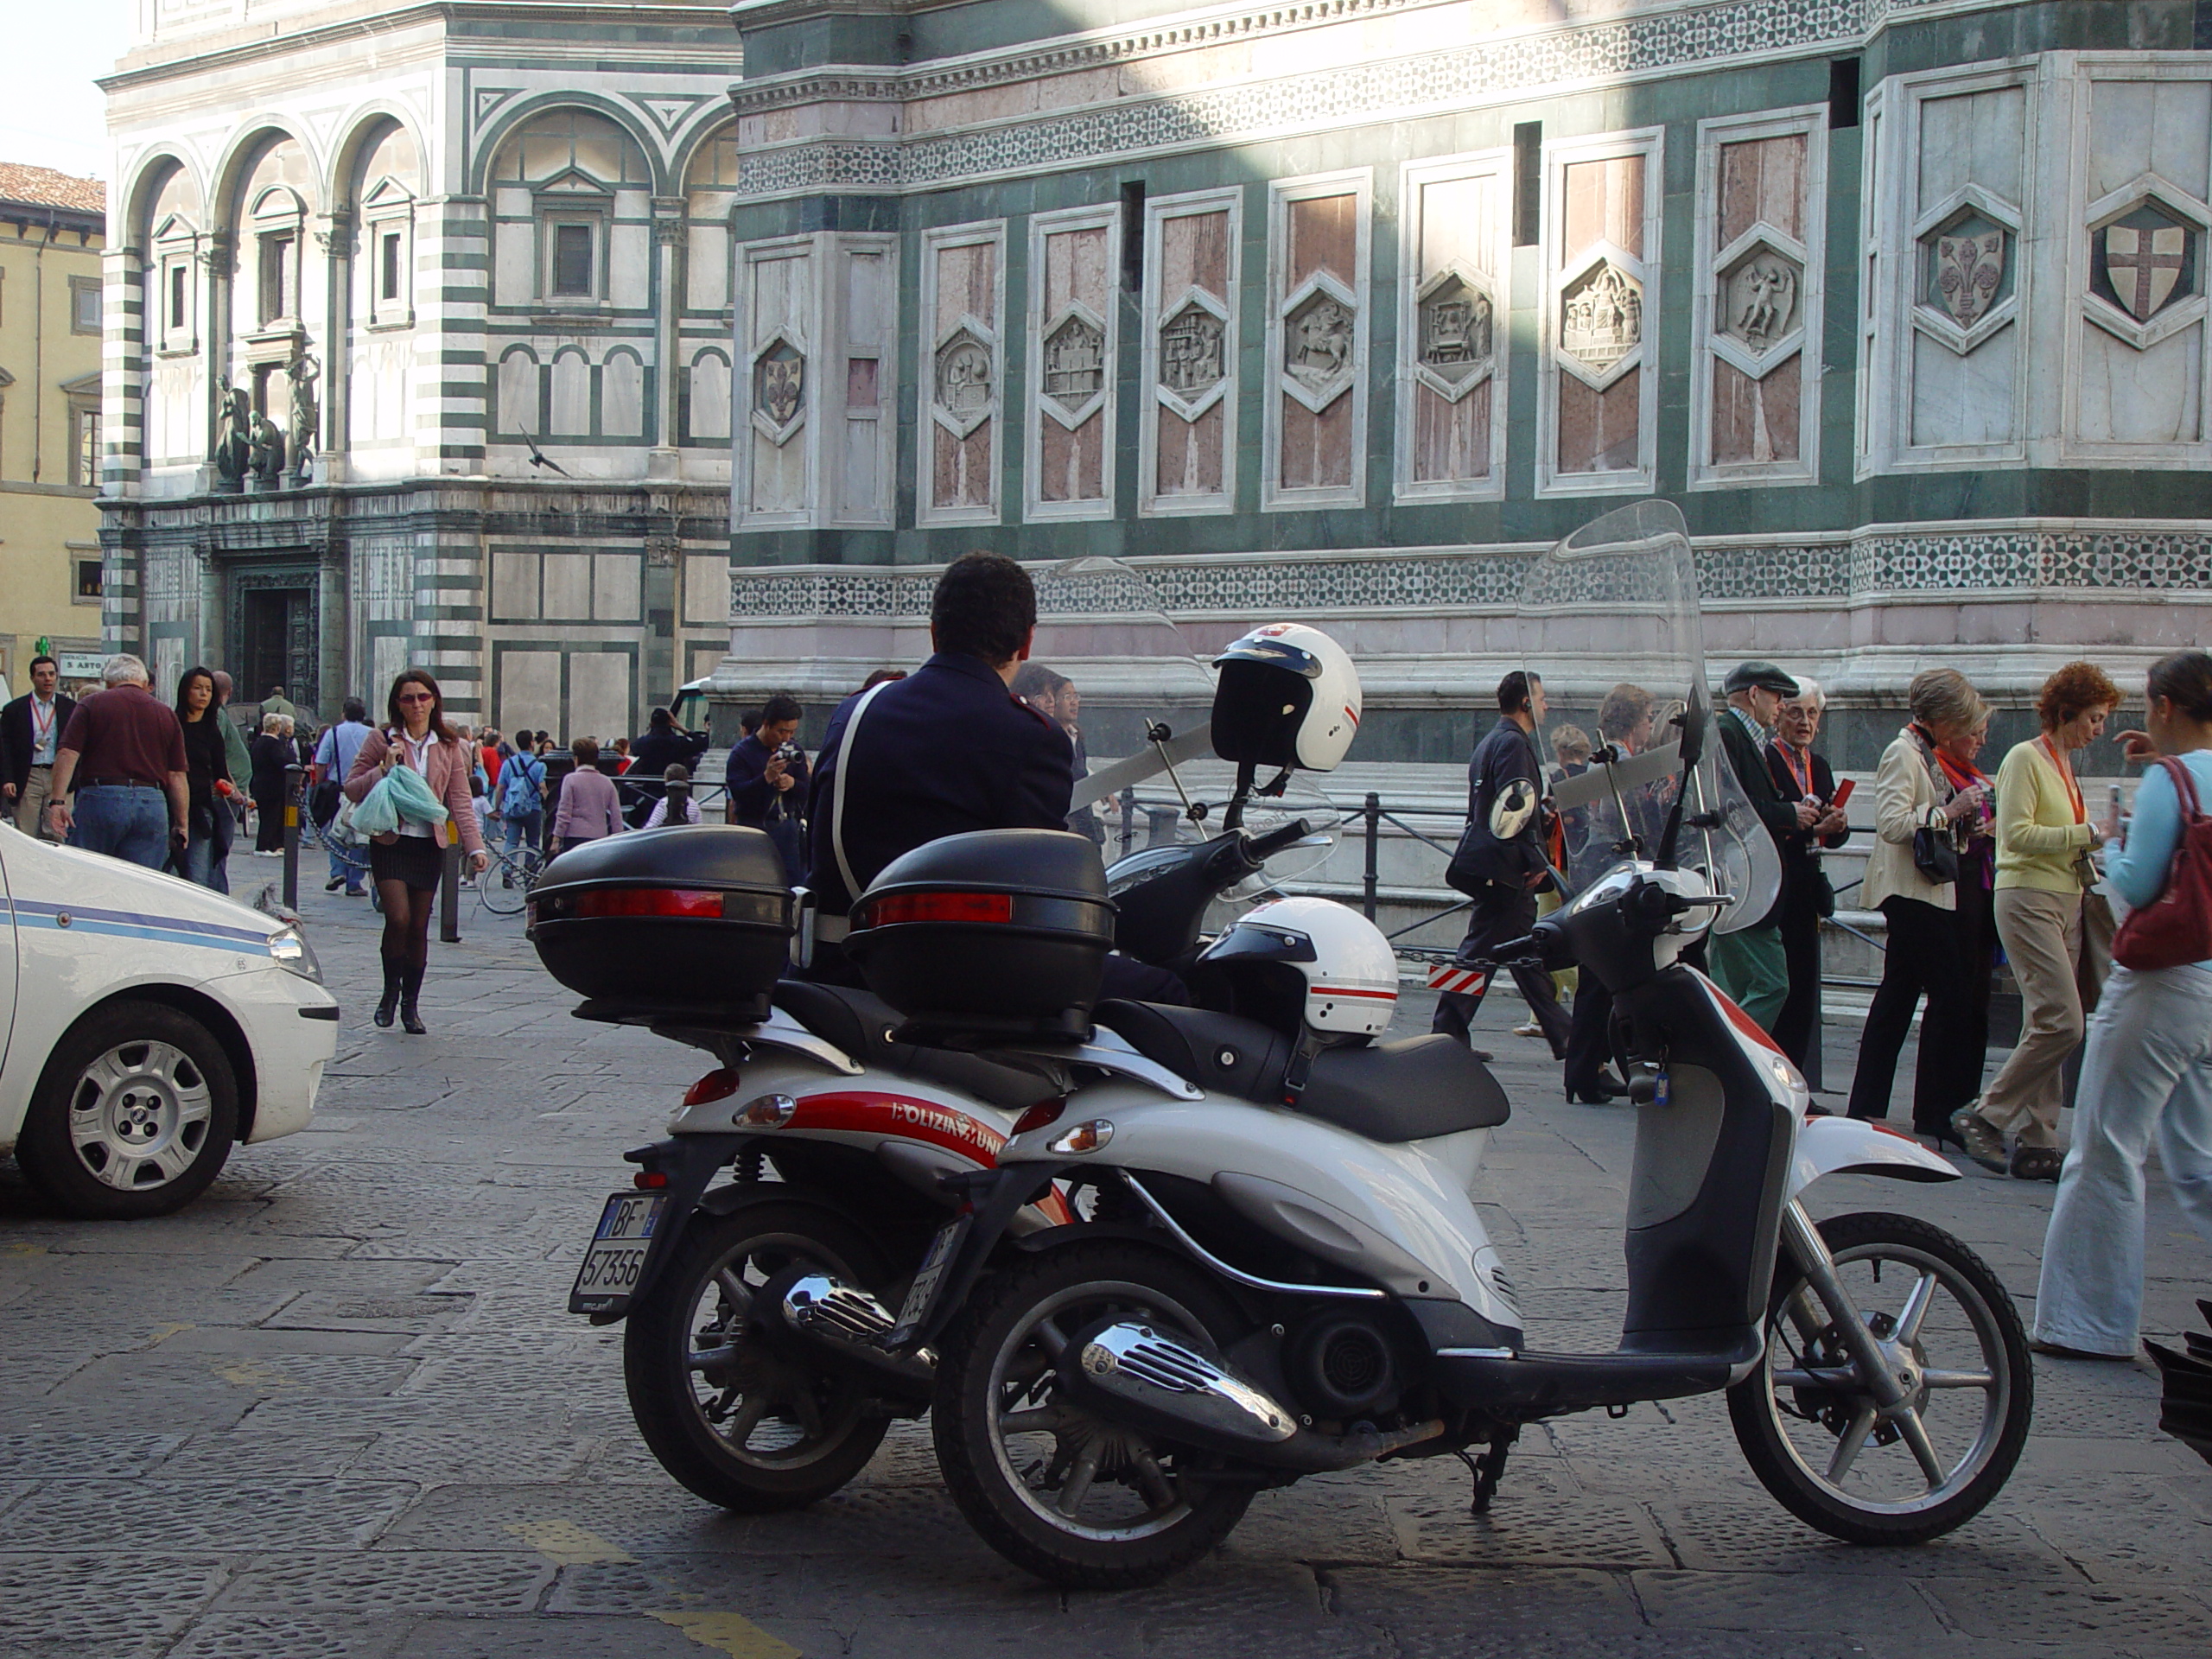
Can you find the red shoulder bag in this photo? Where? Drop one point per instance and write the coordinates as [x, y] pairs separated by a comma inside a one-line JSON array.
[[2176, 927]]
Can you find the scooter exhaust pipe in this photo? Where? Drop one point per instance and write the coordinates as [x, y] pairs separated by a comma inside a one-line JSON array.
[[1130, 1374], [842, 1325]]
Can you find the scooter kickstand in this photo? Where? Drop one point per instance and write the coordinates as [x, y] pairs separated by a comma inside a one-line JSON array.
[[1488, 1467]]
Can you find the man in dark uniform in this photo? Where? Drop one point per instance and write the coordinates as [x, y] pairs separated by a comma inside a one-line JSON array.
[[1502, 857], [1749, 963], [948, 749]]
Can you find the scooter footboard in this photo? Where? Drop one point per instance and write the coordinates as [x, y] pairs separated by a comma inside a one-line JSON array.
[[1540, 1385]]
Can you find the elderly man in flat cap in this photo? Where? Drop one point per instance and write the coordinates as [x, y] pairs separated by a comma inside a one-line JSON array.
[[1750, 964]]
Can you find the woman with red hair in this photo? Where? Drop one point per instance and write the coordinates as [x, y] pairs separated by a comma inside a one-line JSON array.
[[2044, 840]]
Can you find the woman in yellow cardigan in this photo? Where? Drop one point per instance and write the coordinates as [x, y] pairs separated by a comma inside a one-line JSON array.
[[2043, 841]]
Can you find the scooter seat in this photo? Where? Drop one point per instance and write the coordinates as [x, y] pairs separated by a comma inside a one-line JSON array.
[[861, 1024], [1415, 1089]]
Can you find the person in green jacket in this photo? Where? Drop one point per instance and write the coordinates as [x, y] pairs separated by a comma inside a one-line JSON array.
[[241, 771], [1749, 963]]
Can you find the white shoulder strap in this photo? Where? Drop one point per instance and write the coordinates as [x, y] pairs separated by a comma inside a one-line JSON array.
[[837, 806]]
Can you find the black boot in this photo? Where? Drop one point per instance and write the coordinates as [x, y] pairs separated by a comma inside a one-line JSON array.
[[411, 989], [390, 999]]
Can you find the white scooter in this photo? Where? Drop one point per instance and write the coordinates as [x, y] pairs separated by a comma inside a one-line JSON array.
[[1275, 1266]]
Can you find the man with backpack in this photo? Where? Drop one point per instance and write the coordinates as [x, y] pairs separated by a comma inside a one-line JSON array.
[[522, 798]]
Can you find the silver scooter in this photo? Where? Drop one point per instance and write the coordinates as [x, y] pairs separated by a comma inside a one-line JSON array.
[[1276, 1266]]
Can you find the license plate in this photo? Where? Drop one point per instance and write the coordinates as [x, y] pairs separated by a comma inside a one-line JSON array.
[[617, 1252], [926, 1279]]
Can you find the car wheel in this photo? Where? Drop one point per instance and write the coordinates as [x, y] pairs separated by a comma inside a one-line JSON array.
[[134, 1116]]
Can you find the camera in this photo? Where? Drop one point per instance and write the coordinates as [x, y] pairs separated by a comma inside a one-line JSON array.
[[788, 752]]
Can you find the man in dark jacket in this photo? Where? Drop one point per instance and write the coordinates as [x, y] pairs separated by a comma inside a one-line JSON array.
[[767, 781], [1749, 964], [1503, 857], [30, 730], [946, 750], [665, 744]]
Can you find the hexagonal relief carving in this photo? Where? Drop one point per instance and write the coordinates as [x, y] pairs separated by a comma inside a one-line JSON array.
[[1967, 265], [1456, 330], [2145, 261], [1317, 344], [779, 389], [1074, 362], [964, 381], [1192, 361], [1759, 296], [1601, 317]]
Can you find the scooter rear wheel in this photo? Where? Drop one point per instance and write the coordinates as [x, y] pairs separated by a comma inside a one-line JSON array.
[[737, 1423], [1068, 1496], [1811, 1427]]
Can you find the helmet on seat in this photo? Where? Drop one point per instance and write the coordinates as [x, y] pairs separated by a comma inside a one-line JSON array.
[[1288, 695], [1308, 962]]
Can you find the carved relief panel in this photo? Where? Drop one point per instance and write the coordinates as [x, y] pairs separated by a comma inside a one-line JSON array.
[[809, 384], [2142, 212], [1756, 317], [1454, 230], [1946, 238], [1597, 404], [778, 326], [1314, 446], [963, 303], [1187, 443], [1075, 261]]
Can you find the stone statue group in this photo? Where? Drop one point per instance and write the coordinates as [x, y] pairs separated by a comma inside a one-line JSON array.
[[248, 444]]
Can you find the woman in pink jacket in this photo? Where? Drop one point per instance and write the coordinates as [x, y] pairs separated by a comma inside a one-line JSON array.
[[406, 864], [591, 808]]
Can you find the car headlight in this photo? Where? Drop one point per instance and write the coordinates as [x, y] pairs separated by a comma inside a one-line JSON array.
[[289, 948]]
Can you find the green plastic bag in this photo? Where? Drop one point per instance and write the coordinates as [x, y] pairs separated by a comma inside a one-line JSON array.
[[400, 793]]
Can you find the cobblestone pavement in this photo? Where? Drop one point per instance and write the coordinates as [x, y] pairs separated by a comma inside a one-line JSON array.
[[336, 1410]]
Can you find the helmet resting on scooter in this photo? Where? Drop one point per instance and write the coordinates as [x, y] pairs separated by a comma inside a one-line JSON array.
[[1310, 961], [1288, 695]]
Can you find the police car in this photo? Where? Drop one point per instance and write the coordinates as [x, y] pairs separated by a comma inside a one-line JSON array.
[[146, 1026]]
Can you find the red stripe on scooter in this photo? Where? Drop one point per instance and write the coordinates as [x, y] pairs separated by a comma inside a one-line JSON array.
[[1742, 1022], [905, 1118], [1347, 990]]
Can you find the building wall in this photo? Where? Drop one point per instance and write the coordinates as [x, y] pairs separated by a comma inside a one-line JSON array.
[[48, 524], [1388, 294], [517, 481]]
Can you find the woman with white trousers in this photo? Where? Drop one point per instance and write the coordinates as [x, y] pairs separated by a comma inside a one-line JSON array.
[[2147, 1071]]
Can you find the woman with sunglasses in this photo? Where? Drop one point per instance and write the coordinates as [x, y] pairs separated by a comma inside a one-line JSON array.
[[406, 864]]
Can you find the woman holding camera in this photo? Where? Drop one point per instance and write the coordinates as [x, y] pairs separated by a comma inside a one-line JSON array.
[[1917, 811]]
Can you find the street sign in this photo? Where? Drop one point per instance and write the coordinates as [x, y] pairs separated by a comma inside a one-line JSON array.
[[79, 665]]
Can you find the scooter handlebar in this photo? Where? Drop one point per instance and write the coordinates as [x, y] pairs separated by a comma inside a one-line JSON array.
[[1263, 848]]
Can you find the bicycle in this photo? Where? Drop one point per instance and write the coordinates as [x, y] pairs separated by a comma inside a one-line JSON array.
[[504, 886], [352, 856]]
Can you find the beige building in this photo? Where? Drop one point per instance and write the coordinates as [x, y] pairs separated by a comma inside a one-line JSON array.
[[51, 231]]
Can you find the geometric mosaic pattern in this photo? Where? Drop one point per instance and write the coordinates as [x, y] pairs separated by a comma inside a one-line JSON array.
[[1470, 73], [1962, 562]]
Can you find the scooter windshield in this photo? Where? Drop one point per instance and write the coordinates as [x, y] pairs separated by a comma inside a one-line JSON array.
[[1137, 701], [1610, 623]]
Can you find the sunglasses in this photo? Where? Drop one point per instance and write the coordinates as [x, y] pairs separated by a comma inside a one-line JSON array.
[[418, 696]]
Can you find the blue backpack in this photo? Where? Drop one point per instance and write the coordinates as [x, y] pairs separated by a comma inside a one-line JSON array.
[[521, 786]]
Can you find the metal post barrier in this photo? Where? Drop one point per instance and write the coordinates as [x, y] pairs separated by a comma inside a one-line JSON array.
[[1374, 834], [449, 888], [293, 773]]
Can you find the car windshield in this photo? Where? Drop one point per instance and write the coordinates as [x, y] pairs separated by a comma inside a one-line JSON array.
[[1609, 622]]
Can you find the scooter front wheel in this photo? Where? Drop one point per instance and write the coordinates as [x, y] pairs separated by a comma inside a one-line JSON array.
[[738, 1423], [1069, 1495], [1911, 1458]]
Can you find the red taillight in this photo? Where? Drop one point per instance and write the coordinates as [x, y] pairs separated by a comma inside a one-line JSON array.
[[1044, 1112], [649, 1178], [650, 901], [718, 1084], [895, 907]]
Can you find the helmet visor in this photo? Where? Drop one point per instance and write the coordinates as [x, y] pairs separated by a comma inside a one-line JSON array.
[[1276, 653]]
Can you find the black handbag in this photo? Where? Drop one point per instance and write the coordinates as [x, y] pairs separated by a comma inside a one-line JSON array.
[[1459, 875], [322, 803], [1935, 855]]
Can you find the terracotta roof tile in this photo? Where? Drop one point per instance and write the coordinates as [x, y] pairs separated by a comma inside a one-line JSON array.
[[44, 187]]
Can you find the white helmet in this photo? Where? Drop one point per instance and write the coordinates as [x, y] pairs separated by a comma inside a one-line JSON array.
[[1288, 696], [1347, 971]]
